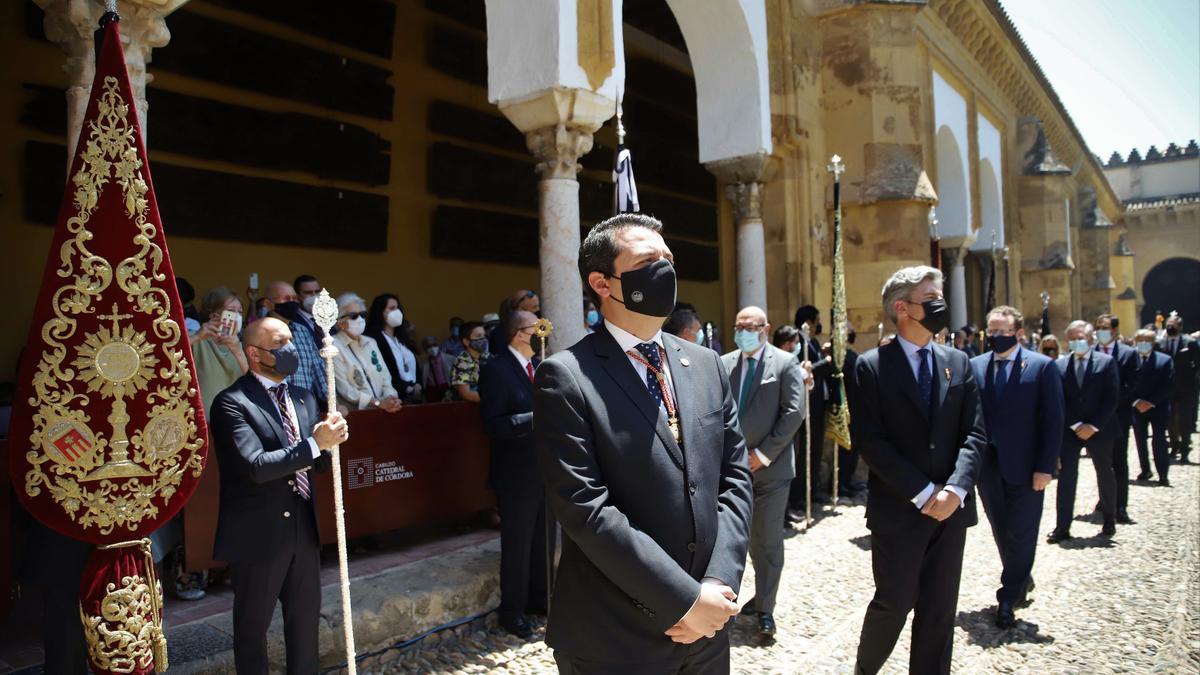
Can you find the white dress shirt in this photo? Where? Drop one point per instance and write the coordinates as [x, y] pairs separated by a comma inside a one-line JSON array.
[[628, 342], [757, 356], [914, 362], [269, 384], [406, 361], [521, 360]]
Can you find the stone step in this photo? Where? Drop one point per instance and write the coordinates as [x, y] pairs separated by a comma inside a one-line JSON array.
[[389, 606]]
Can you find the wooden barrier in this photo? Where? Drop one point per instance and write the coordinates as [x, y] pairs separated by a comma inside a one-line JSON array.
[[423, 465]]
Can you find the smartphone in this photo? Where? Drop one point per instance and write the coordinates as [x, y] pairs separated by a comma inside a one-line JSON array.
[[253, 281], [231, 323]]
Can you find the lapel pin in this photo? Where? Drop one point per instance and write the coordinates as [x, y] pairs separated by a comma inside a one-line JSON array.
[[685, 363], [947, 375], [1023, 362]]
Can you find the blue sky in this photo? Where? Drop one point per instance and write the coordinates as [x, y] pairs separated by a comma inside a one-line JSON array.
[[1128, 71]]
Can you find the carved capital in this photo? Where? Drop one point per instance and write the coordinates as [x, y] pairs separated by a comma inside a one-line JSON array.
[[746, 199], [558, 149]]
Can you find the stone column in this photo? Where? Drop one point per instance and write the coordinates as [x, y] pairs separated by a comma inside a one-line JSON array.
[[744, 189], [71, 24], [746, 199], [956, 286], [558, 149]]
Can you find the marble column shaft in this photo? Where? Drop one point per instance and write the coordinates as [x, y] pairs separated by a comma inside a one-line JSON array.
[[746, 199], [558, 149], [956, 284]]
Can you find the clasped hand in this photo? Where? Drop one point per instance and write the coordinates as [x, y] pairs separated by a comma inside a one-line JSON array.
[[331, 431], [713, 609], [942, 504]]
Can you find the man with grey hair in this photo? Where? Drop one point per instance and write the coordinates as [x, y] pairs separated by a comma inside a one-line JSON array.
[[919, 428], [1091, 390]]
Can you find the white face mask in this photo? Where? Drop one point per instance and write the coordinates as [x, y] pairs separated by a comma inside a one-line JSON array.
[[355, 327], [395, 318], [308, 303]]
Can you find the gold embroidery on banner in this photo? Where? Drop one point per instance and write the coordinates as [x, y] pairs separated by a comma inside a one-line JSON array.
[[122, 638], [109, 480]]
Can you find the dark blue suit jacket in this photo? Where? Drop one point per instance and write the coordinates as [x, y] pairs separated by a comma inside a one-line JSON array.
[[1024, 426], [1095, 403], [1126, 358], [1155, 375], [506, 410]]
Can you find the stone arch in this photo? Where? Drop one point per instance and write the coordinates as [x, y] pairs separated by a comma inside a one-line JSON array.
[[954, 206], [727, 42], [1171, 285]]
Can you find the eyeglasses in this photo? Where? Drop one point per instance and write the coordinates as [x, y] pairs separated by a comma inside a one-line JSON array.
[[748, 326], [353, 315], [530, 326]]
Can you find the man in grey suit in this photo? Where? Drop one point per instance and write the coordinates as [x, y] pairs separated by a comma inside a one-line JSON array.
[[770, 390], [645, 468]]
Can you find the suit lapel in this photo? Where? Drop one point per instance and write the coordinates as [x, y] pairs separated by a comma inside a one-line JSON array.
[[618, 367], [265, 406], [901, 373], [760, 369], [515, 367], [684, 395], [941, 377], [303, 424]]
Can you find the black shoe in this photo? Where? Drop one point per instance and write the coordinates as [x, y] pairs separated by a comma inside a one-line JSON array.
[[749, 610], [1005, 617], [766, 625], [1123, 517], [1058, 536], [1163, 482], [1025, 599], [517, 626], [1145, 475], [1110, 528], [821, 498]]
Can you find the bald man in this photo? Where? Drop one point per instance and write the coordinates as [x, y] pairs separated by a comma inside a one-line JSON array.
[[769, 388], [268, 436]]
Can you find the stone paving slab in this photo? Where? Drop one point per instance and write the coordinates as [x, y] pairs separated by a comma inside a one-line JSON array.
[[1128, 605]]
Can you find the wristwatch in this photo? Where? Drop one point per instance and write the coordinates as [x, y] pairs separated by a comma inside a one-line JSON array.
[[375, 403]]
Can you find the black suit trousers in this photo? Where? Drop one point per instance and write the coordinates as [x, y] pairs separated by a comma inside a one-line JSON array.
[[918, 569], [706, 656], [1155, 423], [522, 551], [1014, 511], [1183, 422], [1120, 464], [1101, 454], [291, 575]]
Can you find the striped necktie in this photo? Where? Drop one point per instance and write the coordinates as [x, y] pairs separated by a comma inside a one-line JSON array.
[[293, 434]]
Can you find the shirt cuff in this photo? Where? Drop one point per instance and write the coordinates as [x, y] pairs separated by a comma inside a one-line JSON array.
[[1075, 427], [762, 458], [312, 445], [923, 496], [962, 494]]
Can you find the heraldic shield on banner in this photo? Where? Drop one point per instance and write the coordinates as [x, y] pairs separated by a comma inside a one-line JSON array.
[[107, 400]]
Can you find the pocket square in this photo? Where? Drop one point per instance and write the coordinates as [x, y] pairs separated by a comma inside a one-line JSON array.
[[768, 380]]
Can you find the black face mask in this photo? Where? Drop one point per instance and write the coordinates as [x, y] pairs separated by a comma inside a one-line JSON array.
[[1002, 343], [850, 337], [1172, 330], [287, 359], [649, 290], [937, 315], [289, 310]]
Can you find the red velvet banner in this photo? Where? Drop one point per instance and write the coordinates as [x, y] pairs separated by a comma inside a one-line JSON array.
[[108, 436]]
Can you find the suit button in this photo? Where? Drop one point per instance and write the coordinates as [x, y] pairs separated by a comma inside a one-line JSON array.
[[691, 546], [692, 488], [931, 446], [287, 514], [291, 482]]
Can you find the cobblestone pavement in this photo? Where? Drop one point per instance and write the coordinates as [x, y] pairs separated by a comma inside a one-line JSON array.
[[1128, 605]]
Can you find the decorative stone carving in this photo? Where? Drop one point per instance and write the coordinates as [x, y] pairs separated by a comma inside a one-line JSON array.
[[558, 149], [746, 199]]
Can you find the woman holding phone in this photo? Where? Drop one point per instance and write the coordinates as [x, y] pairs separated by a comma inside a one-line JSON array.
[[217, 347]]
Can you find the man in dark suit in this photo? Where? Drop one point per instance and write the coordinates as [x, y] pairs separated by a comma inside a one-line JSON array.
[[814, 425], [1108, 342], [920, 430], [1091, 388], [1022, 397], [770, 386], [645, 469], [1152, 405], [506, 408], [267, 436], [1185, 353]]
